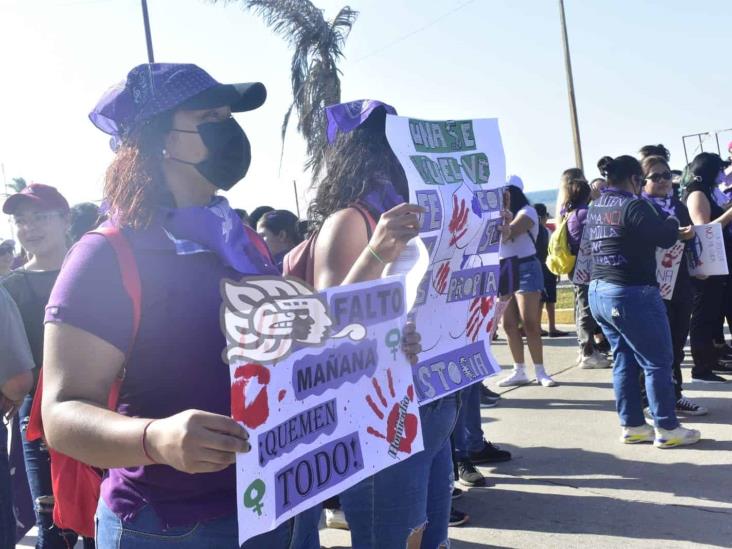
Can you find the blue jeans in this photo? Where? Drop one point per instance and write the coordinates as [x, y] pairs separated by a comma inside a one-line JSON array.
[[38, 470], [7, 517], [634, 321], [468, 435], [385, 508], [146, 531]]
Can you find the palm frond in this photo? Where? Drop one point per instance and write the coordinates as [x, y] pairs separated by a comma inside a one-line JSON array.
[[317, 47]]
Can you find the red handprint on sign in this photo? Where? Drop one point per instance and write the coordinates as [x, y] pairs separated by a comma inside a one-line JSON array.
[[457, 226], [440, 280], [479, 309], [673, 253], [401, 426]]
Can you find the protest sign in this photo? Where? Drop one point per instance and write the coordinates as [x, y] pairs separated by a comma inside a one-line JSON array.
[[707, 256], [456, 171], [322, 386], [668, 261]]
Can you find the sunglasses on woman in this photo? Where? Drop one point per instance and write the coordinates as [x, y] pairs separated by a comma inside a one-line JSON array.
[[656, 177]]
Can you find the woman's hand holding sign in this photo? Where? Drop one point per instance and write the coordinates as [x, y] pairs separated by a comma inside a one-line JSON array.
[[411, 342], [395, 228], [195, 441]]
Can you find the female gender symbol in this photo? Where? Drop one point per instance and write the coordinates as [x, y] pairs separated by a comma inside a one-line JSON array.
[[254, 501], [393, 337]]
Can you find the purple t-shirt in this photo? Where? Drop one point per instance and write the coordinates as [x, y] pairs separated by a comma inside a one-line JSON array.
[[175, 364], [575, 227]]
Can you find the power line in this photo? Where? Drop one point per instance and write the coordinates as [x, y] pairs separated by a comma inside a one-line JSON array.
[[416, 31]]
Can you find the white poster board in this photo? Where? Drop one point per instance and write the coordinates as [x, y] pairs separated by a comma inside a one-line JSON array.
[[707, 255], [668, 261], [456, 171], [321, 384]]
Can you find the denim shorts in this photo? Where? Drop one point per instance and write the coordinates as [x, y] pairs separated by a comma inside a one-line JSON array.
[[531, 276]]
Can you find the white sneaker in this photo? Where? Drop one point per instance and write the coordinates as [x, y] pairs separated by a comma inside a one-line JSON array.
[[595, 361], [636, 435], [335, 518], [681, 436], [517, 377], [545, 379]]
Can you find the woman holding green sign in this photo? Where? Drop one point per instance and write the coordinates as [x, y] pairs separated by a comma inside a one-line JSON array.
[[364, 223]]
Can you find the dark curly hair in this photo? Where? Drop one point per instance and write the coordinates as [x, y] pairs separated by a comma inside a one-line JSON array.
[[356, 163]]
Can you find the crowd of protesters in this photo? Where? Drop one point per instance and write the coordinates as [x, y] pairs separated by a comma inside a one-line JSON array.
[[102, 301]]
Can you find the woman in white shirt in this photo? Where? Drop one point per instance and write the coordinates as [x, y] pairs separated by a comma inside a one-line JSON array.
[[518, 246]]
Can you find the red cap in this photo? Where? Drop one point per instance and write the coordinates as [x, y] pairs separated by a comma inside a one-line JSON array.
[[47, 198]]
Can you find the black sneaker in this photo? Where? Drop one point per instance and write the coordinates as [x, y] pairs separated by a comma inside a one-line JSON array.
[[489, 454], [723, 367], [469, 475], [457, 493], [457, 518], [558, 333], [488, 399], [708, 378]]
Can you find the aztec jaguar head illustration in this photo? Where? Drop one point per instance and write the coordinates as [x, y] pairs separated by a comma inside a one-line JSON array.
[[264, 317]]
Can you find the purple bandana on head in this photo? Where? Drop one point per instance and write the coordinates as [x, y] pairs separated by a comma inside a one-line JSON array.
[[346, 117], [665, 203], [217, 228]]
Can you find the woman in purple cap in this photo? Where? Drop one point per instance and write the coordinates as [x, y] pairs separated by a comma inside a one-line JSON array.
[[170, 445], [408, 504]]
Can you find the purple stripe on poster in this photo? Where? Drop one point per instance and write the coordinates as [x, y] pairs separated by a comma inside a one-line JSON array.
[[446, 373], [432, 218], [472, 283], [302, 428], [367, 306], [349, 362], [316, 471]]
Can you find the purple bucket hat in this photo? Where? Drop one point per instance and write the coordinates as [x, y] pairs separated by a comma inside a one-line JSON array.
[[346, 117], [154, 88]]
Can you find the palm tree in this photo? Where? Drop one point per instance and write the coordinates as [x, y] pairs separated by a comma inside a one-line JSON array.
[[314, 75], [17, 184]]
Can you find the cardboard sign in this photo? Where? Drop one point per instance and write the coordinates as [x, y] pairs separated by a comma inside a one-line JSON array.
[[322, 386], [456, 171]]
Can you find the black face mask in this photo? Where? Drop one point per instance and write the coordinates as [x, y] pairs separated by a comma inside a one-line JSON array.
[[229, 153]]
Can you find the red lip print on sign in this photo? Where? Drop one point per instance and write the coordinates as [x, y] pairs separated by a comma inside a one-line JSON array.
[[249, 403]]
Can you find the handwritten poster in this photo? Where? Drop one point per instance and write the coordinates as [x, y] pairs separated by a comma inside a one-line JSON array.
[[456, 170], [322, 386], [707, 256], [668, 261]]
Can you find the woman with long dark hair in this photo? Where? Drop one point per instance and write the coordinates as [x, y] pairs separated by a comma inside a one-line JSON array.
[[576, 195], [657, 190], [625, 231], [363, 223], [280, 230], [170, 445], [518, 245], [706, 171]]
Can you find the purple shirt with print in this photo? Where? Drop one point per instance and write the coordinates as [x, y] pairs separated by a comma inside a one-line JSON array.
[[175, 363], [575, 226]]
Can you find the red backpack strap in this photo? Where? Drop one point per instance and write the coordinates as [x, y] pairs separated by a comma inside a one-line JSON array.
[[133, 288]]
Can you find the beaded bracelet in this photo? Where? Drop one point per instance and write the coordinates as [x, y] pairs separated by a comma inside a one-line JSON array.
[[377, 256]]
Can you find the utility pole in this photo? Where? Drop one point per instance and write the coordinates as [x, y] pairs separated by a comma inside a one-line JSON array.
[[570, 89], [148, 37]]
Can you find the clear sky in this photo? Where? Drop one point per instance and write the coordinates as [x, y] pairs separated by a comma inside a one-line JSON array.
[[646, 71]]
